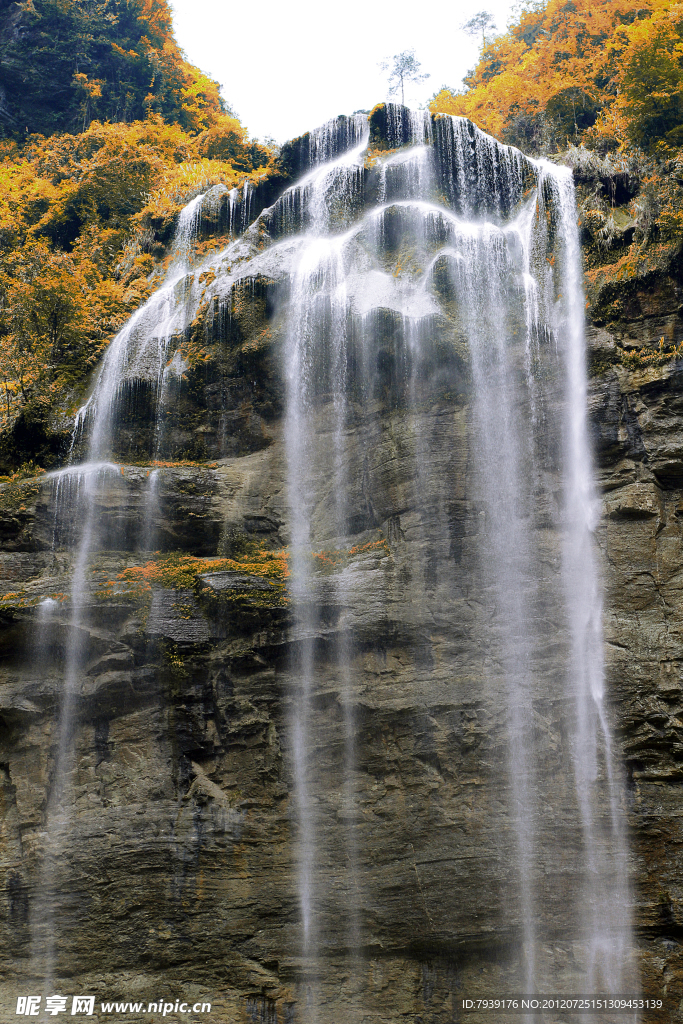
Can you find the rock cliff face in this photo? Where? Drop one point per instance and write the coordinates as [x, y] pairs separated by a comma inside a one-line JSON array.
[[637, 427], [179, 879]]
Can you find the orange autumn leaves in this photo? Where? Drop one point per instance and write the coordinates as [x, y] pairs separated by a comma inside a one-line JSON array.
[[79, 219], [607, 72], [180, 572], [47, 321]]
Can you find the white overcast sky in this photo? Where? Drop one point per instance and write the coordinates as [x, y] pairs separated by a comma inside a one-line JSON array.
[[287, 66]]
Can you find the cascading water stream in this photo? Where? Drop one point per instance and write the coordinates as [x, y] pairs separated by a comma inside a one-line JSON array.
[[609, 931], [77, 493], [320, 263], [435, 278], [520, 335], [75, 500]]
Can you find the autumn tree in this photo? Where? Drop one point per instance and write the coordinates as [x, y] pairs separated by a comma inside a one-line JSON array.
[[651, 98], [479, 23], [402, 67], [46, 318]]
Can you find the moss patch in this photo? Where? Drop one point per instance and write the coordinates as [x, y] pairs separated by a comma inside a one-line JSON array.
[[330, 561], [182, 572]]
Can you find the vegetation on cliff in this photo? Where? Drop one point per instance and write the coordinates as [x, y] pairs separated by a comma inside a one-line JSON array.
[[64, 63], [108, 133], [607, 73]]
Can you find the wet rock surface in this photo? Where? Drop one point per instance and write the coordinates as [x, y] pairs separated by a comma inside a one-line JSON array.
[[181, 850]]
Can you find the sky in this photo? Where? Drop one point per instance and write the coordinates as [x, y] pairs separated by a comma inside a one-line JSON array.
[[287, 66]]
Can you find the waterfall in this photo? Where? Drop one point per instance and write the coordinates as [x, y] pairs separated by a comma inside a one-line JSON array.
[[608, 931], [76, 493], [425, 282], [79, 492], [464, 227]]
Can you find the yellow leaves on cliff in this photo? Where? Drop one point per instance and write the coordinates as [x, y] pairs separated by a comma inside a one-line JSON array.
[[45, 301], [24, 199], [82, 220], [557, 46], [59, 185], [181, 572], [651, 97], [201, 103], [340, 557], [609, 71], [106, 175], [54, 314], [174, 184], [90, 90]]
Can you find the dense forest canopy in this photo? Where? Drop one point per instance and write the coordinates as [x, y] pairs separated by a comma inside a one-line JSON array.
[[64, 63], [608, 73]]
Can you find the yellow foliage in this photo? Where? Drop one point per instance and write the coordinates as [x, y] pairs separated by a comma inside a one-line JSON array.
[[330, 560], [49, 322], [609, 71], [180, 572], [76, 242], [643, 358]]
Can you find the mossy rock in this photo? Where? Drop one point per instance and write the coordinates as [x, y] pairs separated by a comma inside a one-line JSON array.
[[296, 156], [31, 440], [386, 134]]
